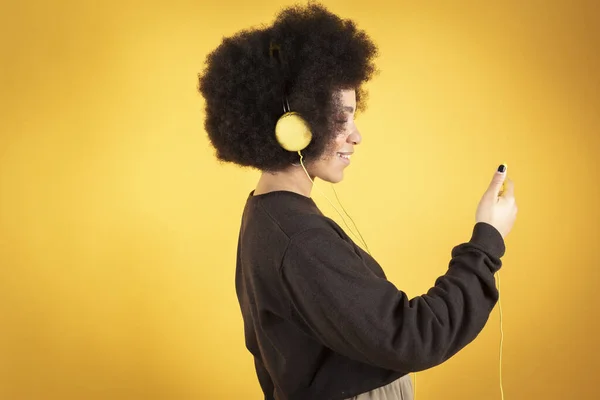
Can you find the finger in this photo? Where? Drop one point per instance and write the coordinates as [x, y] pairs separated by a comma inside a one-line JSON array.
[[497, 181]]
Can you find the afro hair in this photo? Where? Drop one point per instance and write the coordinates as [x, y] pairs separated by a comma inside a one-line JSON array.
[[244, 82]]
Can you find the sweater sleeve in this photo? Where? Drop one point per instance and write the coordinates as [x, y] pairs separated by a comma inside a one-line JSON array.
[[366, 318]]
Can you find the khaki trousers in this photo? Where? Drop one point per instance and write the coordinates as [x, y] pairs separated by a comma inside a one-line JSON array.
[[400, 389]]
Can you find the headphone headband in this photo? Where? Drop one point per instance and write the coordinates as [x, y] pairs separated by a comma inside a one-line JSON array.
[[291, 131]]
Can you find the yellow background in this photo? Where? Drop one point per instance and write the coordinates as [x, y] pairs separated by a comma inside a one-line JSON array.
[[118, 228]]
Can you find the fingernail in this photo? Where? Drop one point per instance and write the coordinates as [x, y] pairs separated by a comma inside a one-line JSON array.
[[502, 168]]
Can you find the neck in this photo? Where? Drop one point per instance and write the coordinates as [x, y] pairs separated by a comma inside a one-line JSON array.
[[292, 179]]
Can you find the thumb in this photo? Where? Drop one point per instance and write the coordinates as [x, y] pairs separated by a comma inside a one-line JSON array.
[[497, 181]]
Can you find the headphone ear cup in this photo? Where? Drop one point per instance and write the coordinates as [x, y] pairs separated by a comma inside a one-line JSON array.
[[292, 132]]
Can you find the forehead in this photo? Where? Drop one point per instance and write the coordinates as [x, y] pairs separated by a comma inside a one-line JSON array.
[[348, 96]]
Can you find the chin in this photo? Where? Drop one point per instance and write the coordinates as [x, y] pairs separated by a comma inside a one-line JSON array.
[[334, 177], [331, 172]]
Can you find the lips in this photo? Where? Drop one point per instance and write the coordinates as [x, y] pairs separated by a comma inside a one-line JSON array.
[[344, 156]]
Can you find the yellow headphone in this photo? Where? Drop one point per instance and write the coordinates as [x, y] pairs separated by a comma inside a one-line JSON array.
[[292, 131]]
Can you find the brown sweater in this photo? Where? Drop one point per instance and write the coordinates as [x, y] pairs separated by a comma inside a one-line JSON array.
[[322, 321]]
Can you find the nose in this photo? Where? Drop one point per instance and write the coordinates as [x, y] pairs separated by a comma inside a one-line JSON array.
[[354, 137]]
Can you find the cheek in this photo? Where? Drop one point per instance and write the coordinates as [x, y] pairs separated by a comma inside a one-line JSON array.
[[338, 144], [340, 140], [334, 146]]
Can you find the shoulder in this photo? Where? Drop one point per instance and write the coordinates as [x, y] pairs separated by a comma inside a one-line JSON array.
[[294, 215]]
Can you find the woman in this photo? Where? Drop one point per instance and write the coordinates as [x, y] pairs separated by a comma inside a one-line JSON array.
[[321, 321]]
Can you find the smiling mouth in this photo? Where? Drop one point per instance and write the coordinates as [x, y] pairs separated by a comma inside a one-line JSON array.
[[344, 157]]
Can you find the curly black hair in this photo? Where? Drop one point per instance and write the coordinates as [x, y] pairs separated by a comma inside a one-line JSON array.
[[243, 83]]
